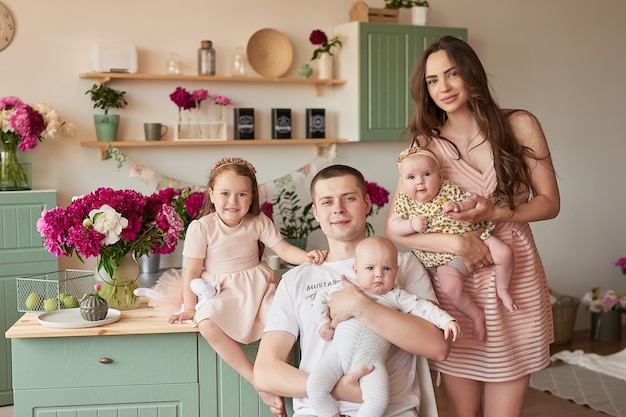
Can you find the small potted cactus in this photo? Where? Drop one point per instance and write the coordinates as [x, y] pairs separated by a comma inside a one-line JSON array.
[[92, 306]]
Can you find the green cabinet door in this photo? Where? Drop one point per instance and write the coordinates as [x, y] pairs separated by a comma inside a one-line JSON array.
[[21, 254], [378, 58], [224, 392]]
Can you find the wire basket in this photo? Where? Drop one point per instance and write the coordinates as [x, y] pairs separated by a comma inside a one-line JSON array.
[[564, 316], [53, 290]]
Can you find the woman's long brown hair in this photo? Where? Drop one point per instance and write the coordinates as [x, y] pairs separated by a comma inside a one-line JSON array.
[[512, 172]]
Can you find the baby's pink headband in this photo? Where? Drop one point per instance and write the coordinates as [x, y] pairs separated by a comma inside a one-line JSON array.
[[413, 150]]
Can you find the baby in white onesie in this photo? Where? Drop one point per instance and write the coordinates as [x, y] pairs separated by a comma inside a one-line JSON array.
[[354, 345]]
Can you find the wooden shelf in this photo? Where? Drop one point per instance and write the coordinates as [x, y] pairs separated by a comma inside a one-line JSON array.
[[104, 146], [103, 77]]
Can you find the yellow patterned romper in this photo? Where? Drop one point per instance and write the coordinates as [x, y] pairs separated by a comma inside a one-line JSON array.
[[438, 222]]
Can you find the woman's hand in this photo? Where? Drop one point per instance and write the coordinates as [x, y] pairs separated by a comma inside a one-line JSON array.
[[473, 251]]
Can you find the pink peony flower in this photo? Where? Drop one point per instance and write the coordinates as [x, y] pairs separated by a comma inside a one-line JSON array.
[[221, 100]]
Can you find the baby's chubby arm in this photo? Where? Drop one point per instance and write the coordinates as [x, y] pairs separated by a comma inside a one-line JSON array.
[[327, 332], [458, 206], [452, 327], [404, 227]]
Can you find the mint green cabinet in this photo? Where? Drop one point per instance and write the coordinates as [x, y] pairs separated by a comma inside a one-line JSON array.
[[168, 374], [378, 59], [21, 254], [107, 375]]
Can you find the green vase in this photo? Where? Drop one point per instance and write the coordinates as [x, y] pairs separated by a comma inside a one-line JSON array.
[[606, 327], [305, 71]]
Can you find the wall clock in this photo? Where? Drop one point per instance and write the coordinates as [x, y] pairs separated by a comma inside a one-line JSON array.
[[7, 27]]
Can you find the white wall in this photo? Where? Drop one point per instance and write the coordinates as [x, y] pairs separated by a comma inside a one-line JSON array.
[[563, 60]]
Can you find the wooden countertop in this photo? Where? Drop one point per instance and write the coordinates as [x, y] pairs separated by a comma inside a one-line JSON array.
[[144, 320]]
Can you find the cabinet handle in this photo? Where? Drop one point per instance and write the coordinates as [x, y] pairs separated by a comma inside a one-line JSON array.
[[106, 360]]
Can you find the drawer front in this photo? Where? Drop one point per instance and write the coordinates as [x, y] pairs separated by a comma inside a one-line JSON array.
[[96, 361], [176, 400]]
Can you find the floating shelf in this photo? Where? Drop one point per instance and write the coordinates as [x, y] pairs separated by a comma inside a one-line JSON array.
[[104, 146], [104, 77]]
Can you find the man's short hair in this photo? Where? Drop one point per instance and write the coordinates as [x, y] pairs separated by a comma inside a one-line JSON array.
[[333, 171]]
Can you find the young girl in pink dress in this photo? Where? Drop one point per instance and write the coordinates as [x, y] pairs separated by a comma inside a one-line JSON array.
[[225, 245]]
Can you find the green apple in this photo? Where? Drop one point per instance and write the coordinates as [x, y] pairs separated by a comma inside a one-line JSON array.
[[69, 301], [51, 304], [62, 296], [34, 301]]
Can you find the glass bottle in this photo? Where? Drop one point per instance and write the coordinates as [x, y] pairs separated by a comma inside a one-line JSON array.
[[238, 64], [173, 65], [206, 58]]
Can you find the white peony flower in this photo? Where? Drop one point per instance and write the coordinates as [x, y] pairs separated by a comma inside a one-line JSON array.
[[108, 222]]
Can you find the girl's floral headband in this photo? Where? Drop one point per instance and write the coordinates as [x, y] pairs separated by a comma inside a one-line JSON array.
[[232, 161], [413, 150]]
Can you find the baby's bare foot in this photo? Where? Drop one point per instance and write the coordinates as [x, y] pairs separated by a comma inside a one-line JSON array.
[[508, 301], [479, 330]]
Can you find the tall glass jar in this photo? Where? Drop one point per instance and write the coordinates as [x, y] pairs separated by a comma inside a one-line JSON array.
[[206, 58], [238, 63]]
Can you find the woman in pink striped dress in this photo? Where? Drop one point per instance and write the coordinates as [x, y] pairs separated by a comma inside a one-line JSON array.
[[502, 158]]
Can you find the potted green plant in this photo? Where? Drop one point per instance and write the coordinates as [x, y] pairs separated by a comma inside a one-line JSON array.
[[419, 9], [297, 220], [105, 98]]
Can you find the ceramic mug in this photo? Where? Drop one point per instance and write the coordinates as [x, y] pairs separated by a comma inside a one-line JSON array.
[[154, 131], [274, 262]]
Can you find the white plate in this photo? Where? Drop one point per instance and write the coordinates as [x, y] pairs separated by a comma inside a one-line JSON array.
[[71, 319]]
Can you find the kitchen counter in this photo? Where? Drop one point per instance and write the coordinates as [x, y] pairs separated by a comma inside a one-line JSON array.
[[144, 320]]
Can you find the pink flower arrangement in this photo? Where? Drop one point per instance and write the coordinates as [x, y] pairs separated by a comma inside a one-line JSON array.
[[621, 262], [379, 196], [22, 127], [318, 37], [598, 301], [110, 224], [185, 201]]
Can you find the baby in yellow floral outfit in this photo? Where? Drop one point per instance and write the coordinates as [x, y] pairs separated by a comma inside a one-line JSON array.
[[422, 207]]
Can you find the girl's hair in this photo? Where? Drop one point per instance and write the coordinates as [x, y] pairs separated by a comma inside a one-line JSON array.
[[242, 168], [511, 171]]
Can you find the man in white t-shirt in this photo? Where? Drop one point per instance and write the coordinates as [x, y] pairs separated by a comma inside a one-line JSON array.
[[340, 205]]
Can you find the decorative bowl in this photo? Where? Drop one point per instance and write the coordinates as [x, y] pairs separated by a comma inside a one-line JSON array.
[[269, 53]]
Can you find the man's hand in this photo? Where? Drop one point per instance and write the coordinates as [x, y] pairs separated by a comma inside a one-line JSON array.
[[345, 303], [276, 404], [348, 387]]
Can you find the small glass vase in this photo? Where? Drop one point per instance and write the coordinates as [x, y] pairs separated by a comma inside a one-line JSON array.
[[15, 169], [118, 290]]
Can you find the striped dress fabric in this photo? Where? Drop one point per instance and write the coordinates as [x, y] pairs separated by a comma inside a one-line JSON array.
[[517, 343]]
